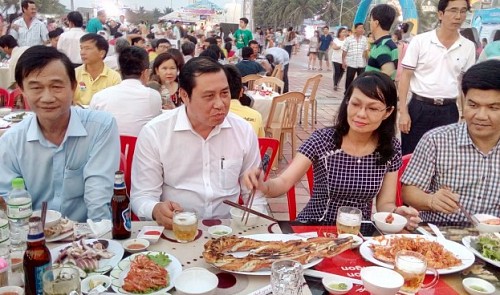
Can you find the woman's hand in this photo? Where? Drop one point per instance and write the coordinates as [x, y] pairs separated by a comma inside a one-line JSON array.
[[411, 215], [254, 178]]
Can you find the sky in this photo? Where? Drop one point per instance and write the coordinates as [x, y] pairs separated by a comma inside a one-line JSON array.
[[148, 4]]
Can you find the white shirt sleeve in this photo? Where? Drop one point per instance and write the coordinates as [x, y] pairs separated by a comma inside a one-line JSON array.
[[410, 59]]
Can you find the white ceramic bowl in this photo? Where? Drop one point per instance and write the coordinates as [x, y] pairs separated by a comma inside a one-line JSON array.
[[152, 233], [135, 245], [468, 283], [11, 289], [484, 227], [52, 218], [196, 281], [357, 240], [328, 283], [236, 215], [95, 278], [396, 226], [4, 112], [218, 231], [381, 281]]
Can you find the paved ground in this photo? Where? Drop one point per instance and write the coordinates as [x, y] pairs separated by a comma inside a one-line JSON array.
[[328, 102]]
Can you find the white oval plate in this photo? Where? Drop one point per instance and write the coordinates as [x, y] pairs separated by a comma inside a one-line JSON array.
[[460, 251], [467, 242]]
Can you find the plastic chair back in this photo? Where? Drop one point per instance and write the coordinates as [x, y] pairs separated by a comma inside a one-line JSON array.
[[399, 196], [266, 143], [18, 100], [4, 98], [127, 148], [291, 198], [293, 100], [271, 81], [250, 79]]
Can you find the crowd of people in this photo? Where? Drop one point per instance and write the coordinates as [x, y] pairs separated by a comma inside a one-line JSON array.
[[181, 96]]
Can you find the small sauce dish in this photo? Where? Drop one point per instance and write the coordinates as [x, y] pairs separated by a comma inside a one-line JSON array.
[[218, 231], [477, 286], [135, 245], [334, 286], [151, 233]]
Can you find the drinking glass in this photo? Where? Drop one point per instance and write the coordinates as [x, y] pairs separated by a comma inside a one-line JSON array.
[[61, 281], [185, 226], [349, 220], [412, 266], [286, 277]]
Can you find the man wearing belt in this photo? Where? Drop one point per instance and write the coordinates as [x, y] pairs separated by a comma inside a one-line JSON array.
[[432, 65]]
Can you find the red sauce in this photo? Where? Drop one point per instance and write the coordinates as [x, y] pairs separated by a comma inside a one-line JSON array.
[[16, 261], [135, 246], [152, 233]]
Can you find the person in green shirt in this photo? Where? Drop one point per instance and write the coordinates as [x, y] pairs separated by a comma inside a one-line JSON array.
[[242, 35], [94, 25]]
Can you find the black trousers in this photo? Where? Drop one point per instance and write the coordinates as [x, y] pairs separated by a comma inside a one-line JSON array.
[[424, 117], [349, 76], [288, 49], [338, 73], [285, 78]]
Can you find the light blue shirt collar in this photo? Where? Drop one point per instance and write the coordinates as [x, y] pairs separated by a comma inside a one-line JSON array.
[[75, 128]]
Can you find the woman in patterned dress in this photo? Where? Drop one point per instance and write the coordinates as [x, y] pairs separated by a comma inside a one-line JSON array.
[[354, 162]]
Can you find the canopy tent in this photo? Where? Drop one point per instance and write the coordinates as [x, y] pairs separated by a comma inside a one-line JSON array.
[[203, 7], [181, 16]]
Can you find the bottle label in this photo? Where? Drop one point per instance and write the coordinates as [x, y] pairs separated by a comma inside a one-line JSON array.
[[19, 208], [39, 270], [127, 223], [4, 230]]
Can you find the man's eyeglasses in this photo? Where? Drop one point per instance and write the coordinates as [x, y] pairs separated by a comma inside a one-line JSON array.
[[371, 111], [456, 11]]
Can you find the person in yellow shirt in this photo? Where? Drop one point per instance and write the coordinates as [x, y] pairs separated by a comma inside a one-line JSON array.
[[247, 113], [93, 75]]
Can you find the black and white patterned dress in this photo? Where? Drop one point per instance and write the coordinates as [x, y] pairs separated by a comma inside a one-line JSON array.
[[341, 179]]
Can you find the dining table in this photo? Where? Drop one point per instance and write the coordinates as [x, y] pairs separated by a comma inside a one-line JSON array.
[[262, 102], [347, 264]]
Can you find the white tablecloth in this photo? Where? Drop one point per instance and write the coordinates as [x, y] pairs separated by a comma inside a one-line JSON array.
[[263, 105]]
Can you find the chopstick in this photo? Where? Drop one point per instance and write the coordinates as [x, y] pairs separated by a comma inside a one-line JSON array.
[[473, 219], [250, 200], [44, 213], [245, 209]]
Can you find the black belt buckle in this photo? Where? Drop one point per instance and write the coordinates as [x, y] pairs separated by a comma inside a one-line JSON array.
[[439, 101]]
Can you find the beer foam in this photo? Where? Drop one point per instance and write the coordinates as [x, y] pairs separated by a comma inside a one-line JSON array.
[[410, 264], [350, 219], [185, 218]]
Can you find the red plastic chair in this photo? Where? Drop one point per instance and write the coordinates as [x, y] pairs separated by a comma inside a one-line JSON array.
[[15, 96], [292, 202], [4, 98], [399, 197], [266, 143], [127, 154]]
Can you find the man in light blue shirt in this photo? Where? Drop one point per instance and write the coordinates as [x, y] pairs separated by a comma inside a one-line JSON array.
[[67, 156]]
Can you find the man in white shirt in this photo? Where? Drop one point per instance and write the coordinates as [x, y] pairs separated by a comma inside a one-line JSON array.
[[183, 159], [280, 56], [354, 53], [28, 30], [132, 104], [432, 65], [69, 41], [9, 45]]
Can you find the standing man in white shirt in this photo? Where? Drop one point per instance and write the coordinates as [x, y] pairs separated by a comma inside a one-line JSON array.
[[354, 53], [182, 159], [69, 41], [280, 56], [131, 103], [29, 30], [432, 67]]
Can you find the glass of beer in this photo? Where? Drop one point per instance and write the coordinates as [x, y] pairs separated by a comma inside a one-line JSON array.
[[61, 281], [185, 226], [286, 277], [349, 220], [412, 266]]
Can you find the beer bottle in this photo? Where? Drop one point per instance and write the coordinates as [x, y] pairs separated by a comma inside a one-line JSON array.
[[36, 258], [120, 207]]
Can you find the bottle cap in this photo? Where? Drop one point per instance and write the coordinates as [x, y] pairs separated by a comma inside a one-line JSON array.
[[4, 265], [18, 183]]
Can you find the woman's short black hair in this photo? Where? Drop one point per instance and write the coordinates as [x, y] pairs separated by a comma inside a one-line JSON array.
[[377, 86]]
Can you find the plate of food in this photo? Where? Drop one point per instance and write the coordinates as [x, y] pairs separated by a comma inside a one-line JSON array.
[[89, 256], [63, 229], [485, 246], [444, 255], [254, 254], [17, 117], [145, 273]]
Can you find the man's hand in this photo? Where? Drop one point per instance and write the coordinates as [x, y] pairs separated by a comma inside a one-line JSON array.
[[445, 201], [404, 122], [411, 215], [344, 65], [164, 212]]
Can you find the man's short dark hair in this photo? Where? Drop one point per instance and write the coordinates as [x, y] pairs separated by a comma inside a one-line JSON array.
[[482, 76], [117, 35], [161, 41], [326, 27], [356, 25], [246, 52], [194, 68], [137, 40], [188, 48], [384, 14], [133, 61], [8, 41], [101, 12], [211, 41], [192, 39], [76, 18], [234, 80], [252, 42], [36, 58], [245, 20], [26, 3], [121, 44], [99, 41], [55, 33], [442, 4]]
